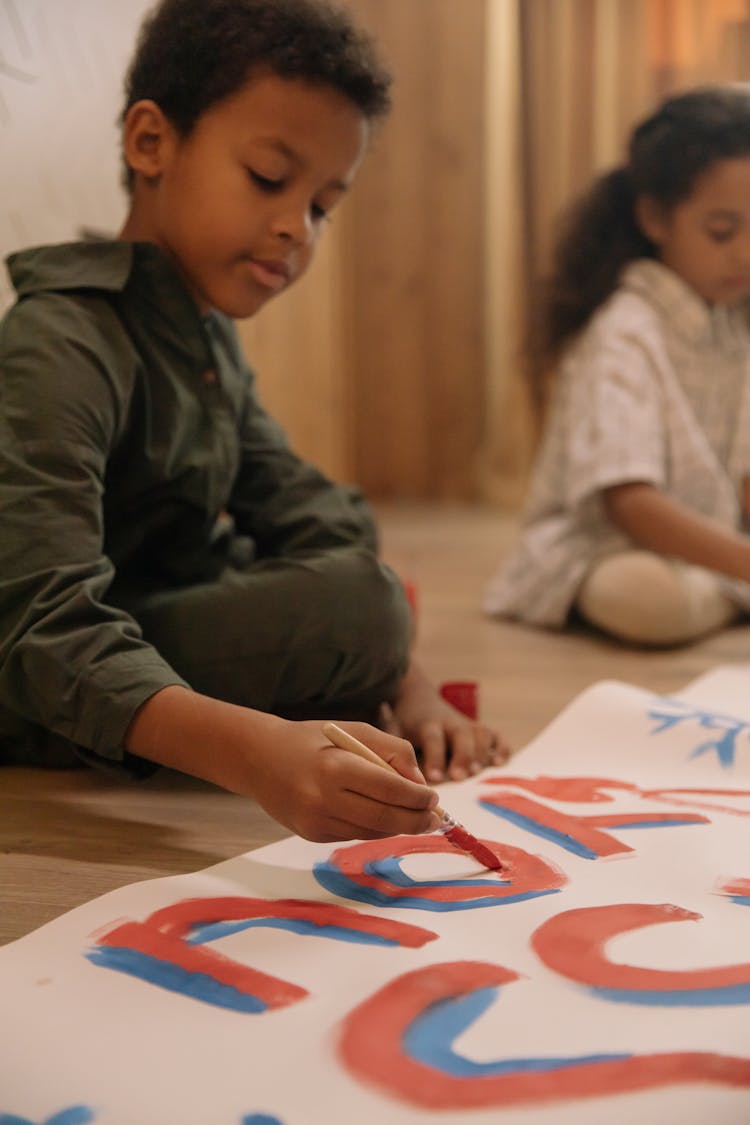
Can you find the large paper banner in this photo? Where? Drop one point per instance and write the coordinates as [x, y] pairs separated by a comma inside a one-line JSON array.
[[603, 975]]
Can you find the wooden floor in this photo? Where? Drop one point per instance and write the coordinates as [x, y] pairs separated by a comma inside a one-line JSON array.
[[66, 837], [526, 675]]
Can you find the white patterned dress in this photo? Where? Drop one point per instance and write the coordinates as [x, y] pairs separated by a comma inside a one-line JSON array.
[[655, 389]]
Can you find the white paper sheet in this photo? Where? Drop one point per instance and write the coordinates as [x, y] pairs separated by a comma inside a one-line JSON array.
[[603, 976]]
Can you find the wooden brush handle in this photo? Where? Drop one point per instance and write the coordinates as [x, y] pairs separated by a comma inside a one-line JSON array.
[[346, 741]]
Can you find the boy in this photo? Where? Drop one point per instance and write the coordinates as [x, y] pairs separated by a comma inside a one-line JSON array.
[[177, 587]]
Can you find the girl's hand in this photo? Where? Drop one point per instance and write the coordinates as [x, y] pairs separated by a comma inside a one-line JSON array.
[[452, 746]]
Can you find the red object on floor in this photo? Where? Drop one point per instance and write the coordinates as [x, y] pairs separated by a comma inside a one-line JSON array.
[[463, 695], [410, 589]]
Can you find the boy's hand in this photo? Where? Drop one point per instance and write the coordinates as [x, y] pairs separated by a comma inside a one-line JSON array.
[[324, 793], [452, 746], [290, 768]]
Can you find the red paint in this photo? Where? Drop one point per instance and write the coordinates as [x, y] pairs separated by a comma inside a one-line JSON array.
[[521, 871], [465, 842], [572, 944], [144, 937], [585, 829], [580, 790], [584, 790], [688, 797], [162, 935], [370, 1047], [739, 887], [179, 918]]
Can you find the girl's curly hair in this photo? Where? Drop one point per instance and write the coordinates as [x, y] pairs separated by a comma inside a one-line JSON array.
[[600, 234]]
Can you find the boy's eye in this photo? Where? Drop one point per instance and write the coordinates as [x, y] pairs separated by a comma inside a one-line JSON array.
[[720, 234], [265, 183]]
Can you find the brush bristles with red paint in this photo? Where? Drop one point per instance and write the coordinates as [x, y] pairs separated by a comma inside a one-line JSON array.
[[465, 842], [454, 832]]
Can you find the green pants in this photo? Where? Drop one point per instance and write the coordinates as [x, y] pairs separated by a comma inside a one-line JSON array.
[[311, 635]]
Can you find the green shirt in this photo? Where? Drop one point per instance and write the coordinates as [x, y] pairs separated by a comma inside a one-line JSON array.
[[129, 428]]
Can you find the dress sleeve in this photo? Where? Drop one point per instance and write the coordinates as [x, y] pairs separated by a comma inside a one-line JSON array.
[[613, 418], [69, 661], [287, 505]]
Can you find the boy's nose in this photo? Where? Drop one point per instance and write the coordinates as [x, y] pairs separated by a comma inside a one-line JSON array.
[[295, 225], [742, 251]]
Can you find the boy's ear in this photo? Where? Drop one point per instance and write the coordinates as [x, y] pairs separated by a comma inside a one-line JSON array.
[[651, 218], [147, 139]]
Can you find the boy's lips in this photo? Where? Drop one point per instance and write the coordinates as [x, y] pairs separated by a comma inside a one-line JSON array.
[[272, 273], [738, 281]]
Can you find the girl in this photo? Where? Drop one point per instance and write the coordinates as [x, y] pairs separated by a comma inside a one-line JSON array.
[[640, 500]]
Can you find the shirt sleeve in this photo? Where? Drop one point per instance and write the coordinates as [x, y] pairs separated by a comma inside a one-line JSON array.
[[287, 505], [613, 418], [68, 660]]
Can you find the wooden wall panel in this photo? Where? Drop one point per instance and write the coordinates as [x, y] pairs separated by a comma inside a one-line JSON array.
[[416, 258]]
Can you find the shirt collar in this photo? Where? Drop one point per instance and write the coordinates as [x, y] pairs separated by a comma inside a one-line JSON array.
[[688, 315], [102, 264]]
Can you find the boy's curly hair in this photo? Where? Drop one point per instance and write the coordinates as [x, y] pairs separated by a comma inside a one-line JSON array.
[[191, 54]]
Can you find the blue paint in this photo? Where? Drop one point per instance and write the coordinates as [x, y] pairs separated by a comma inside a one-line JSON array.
[[562, 838], [569, 842], [391, 870], [167, 975], [212, 931], [428, 1040], [741, 900], [259, 1119], [725, 746], [677, 998], [76, 1115], [339, 884]]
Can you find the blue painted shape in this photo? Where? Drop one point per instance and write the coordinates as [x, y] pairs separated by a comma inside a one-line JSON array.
[[429, 1038], [339, 884], [545, 831], [212, 931], [569, 842], [677, 998], [165, 974], [259, 1119], [76, 1115], [741, 900], [724, 745]]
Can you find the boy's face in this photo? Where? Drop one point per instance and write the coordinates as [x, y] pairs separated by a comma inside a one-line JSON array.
[[240, 203]]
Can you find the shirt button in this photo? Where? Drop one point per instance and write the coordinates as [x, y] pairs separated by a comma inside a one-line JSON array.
[[210, 378]]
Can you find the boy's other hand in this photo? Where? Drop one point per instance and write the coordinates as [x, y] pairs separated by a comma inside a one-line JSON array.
[[453, 747]]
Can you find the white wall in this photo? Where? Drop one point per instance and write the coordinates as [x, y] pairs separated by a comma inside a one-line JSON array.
[[61, 68]]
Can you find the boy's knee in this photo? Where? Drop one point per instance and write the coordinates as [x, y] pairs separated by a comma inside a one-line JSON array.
[[369, 608]]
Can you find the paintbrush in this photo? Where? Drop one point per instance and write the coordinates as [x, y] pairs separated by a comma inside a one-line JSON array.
[[459, 836]]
